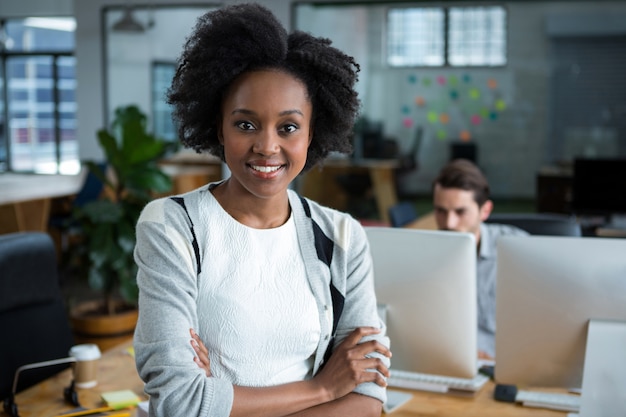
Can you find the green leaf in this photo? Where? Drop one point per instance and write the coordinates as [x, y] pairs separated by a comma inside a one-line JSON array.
[[152, 179], [103, 211]]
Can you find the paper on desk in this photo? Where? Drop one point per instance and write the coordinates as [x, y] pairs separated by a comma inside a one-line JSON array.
[[395, 399], [120, 399], [142, 409]]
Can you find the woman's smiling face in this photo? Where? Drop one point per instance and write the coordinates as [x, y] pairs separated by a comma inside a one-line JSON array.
[[266, 131]]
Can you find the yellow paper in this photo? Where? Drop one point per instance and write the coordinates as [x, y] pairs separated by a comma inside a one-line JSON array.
[[121, 399]]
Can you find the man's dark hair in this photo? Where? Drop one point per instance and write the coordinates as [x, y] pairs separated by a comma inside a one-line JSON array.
[[465, 175], [235, 39]]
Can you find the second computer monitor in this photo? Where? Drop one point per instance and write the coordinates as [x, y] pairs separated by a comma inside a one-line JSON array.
[[427, 282], [549, 289]]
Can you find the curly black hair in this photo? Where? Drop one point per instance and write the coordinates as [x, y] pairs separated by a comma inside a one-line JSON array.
[[247, 37]]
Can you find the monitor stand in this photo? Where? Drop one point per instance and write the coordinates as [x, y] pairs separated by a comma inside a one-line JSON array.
[[604, 373]]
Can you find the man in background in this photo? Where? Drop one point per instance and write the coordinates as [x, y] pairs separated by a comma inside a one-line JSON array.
[[461, 203]]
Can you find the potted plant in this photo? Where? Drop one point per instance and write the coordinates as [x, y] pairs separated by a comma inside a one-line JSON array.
[[105, 253]]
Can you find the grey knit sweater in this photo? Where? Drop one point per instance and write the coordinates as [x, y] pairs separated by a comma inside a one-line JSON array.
[[172, 261]]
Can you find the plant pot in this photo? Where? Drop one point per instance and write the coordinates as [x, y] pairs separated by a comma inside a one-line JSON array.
[[91, 325]]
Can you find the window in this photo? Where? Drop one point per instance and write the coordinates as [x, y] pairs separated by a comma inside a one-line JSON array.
[[416, 37], [454, 36], [162, 75], [37, 96]]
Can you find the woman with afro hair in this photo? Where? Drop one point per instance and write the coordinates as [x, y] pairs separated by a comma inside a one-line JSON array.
[[275, 290]]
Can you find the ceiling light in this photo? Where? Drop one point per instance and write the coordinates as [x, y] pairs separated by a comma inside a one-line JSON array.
[[128, 23]]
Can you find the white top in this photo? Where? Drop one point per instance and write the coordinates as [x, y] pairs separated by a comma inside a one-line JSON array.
[[259, 283]]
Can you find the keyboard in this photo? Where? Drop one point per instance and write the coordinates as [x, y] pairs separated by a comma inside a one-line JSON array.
[[551, 400], [434, 383]]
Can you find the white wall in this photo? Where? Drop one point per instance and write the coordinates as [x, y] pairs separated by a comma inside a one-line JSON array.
[[27, 8], [129, 56]]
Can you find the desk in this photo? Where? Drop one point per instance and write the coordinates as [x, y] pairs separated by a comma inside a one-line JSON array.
[[425, 222], [116, 371], [425, 404], [319, 184], [25, 199], [190, 170]]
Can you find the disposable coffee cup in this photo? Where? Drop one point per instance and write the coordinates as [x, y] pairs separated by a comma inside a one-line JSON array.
[[86, 365]]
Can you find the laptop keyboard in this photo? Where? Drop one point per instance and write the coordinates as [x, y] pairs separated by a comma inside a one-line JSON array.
[[434, 383]]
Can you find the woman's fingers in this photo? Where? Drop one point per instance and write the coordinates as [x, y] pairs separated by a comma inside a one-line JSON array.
[[354, 362], [202, 358], [352, 342]]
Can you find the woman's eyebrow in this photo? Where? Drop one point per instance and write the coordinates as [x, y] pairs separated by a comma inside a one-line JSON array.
[[282, 113], [288, 112], [244, 111]]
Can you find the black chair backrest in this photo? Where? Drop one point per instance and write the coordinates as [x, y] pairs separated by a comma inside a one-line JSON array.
[[33, 318], [547, 224], [402, 213], [91, 189]]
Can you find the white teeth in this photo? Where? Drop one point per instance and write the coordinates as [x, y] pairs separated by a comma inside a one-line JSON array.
[[265, 168]]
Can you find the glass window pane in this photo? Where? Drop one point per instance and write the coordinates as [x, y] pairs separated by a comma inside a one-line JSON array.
[[28, 130], [477, 36], [40, 34], [162, 74], [3, 138], [415, 37], [32, 110], [69, 159]]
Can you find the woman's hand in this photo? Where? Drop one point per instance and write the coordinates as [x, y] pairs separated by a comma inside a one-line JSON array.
[[202, 353], [349, 365]]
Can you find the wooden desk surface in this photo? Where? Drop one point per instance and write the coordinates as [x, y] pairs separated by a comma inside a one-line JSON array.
[[320, 183], [360, 163], [188, 157], [190, 170], [482, 404], [117, 371], [425, 222]]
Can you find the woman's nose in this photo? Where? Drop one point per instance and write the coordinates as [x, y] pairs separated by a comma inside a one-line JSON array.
[[266, 143]]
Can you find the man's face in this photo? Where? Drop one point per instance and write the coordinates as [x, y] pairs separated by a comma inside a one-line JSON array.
[[456, 210]]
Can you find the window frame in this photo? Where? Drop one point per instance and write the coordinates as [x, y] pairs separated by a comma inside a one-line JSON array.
[[57, 100], [446, 36]]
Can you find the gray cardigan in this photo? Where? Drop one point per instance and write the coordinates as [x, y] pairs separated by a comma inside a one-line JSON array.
[[169, 253]]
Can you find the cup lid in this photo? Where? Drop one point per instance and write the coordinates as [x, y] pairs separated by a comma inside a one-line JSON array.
[[85, 352]]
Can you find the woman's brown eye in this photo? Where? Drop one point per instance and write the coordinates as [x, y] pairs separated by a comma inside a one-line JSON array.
[[290, 128], [244, 125]]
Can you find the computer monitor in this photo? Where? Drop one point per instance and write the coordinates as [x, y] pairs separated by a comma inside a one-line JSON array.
[[427, 282], [599, 187], [555, 297]]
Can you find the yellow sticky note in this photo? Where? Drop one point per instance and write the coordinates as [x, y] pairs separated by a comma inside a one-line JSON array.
[[121, 399], [131, 351]]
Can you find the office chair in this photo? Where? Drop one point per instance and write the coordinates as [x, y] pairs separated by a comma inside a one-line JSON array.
[[33, 318], [546, 224], [402, 213], [408, 162]]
